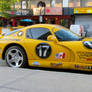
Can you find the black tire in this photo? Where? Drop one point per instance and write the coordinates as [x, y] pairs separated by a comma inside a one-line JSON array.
[[19, 53]]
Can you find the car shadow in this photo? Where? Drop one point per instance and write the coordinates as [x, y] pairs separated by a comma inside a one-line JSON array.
[[61, 70]]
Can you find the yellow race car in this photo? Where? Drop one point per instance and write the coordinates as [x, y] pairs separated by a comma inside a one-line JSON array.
[[45, 45]]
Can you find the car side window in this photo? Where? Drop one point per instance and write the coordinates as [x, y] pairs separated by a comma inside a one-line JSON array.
[[38, 33]]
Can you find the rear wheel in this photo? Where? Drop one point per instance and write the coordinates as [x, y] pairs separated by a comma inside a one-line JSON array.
[[15, 56]]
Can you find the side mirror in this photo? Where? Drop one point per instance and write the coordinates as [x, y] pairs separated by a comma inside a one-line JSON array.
[[51, 38]]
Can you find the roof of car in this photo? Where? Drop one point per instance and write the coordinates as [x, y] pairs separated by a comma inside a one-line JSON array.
[[43, 25]]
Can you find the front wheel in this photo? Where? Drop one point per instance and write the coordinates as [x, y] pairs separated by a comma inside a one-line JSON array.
[[15, 56]]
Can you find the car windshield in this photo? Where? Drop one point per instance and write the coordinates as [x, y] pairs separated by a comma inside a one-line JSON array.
[[64, 35], [11, 32]]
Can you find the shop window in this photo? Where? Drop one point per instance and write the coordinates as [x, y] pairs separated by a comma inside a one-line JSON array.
[[41, 4], [86, 3], [74, 3], [51, 21], [23, 4], [65, 22], [17, 5], [3, 23], [65, 3], [89, 3], [53, 3]]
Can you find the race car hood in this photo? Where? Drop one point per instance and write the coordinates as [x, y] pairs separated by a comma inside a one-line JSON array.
[[87, 39], [81, 50], [77, 45], [70, 44]]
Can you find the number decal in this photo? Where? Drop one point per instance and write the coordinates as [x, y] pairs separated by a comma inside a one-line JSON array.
[[43, 50]]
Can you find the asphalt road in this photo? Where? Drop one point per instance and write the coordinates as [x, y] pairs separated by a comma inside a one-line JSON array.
[[43, 80]]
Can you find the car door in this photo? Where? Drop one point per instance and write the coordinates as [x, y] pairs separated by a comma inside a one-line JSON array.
[[40, 49]]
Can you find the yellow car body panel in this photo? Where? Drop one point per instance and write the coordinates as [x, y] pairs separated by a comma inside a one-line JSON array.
[[64, 54]]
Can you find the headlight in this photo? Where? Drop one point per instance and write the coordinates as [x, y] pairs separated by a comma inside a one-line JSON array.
[[88, 44]]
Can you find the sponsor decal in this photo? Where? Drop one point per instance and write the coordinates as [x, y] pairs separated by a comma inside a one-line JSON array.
[[83, 67], [14, 34], [84, 55], [36, 63], [20, 33], [60, 55], [11, 39], [76, 66], [89, 59], [90, 67], [43, 50], [56, 64]]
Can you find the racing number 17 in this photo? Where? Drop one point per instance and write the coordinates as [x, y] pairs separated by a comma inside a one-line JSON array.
[[43, 50]]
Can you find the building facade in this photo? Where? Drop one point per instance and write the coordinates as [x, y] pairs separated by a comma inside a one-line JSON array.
[[60, 12], [45, 11], [83, 15]]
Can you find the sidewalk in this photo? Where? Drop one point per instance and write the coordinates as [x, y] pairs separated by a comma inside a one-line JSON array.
[[2, 63], [35, 80], [30, 80]]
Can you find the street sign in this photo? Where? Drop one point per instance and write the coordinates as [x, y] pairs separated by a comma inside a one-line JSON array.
[[84, 10]]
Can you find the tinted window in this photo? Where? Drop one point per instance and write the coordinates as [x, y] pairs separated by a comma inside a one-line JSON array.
[[38, 33], [63, 35]]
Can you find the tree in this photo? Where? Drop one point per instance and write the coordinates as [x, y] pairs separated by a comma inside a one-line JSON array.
[[6, 6]]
